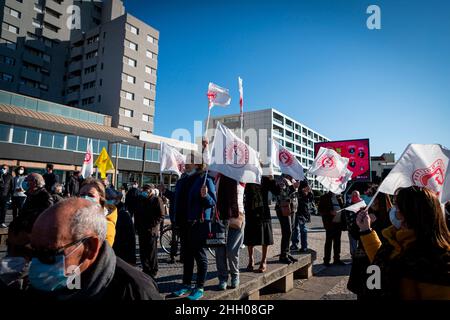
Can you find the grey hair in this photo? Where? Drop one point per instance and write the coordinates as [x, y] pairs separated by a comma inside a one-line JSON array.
[[87, 220], [37, 178]]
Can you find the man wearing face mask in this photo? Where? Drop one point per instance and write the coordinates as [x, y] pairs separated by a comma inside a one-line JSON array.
[[147, 221], [38, 198], [6, 189], [72, 260], [131, 198]]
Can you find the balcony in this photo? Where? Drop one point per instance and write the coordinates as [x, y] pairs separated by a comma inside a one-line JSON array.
[[74, 81], [55, 6], [31, 58], [74, 66], [31, 74], [76, 51], [29, 91], [51, 19], [278, 121], [35, 44], [72, 96]]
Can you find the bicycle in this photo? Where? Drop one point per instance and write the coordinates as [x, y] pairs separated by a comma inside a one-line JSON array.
[[166, 241]]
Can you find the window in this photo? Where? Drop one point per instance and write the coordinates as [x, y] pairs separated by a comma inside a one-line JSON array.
[[146, 117], [12, 12], [147, 85], [19, 135], [131, 152], [132, 45], [10, 28], [72, 143], [82, 144], [151, 39], [149, 54], [147, 101], [128, 78], [4, 132], [139, 153], [32, 137], [87, 101], [133, 29], [123, 151], [58, 141], [99, 98], [145, 131], [131, 62], [150, 70], [51, 27], [36, 23], [125, 128], [38, 8], [89, 85], [92, 54], [6, 77], [127, 95], [92, 40], [126, 112], [46, 139], [52, 13], [90, 69]]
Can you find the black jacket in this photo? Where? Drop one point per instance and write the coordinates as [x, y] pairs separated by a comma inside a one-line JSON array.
[[149, 214], [73, 186], [125, 240], [131, 200], [6, 185], [35, 204], [50, 180]]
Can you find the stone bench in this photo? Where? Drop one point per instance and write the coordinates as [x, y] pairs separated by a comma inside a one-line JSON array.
[[278, 276]]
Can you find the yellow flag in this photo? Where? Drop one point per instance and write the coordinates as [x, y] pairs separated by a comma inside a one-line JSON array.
[[104, 163]]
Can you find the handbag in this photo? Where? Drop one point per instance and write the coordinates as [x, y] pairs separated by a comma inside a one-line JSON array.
[[213, 232]]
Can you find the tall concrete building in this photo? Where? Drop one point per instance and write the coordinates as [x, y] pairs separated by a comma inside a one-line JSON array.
[[271, 123], [88, 54]]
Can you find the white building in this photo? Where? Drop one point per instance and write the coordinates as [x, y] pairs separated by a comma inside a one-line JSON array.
[[295, 136]]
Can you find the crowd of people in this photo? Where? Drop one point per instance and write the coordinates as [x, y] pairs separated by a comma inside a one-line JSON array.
[[86, 231]]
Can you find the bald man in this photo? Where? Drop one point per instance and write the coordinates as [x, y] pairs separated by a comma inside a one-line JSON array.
[[72, 260]]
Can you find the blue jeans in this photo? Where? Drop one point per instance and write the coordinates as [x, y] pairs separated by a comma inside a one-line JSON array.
[[227, 257], [299, 231]]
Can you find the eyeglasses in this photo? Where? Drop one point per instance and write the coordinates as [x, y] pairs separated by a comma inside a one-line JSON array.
[[48, 256]]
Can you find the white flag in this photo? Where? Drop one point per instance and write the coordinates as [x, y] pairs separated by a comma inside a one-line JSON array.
[[336, 185], [171, 160], [423, 165], [218, 96], [241, 95], [286, 161], [356, 207], [233, 158], [88, 163], [328, 163]]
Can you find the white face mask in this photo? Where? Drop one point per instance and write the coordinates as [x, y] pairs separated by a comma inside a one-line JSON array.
[[393, 217], [4, 171], [21, 171]]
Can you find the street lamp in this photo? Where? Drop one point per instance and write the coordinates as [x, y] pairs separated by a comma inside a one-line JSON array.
[[116, 169]]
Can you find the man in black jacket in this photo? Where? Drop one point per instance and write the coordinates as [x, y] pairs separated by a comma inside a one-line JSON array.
[[147, 221], [50, 178], [74, 231], [73, 185], [131, 199], [38, 198], [6, 190]]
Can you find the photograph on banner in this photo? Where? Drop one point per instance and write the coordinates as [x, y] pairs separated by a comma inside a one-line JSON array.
[[358, 153]]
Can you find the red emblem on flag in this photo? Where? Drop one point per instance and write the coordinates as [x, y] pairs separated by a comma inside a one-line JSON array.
[[328, 162], [87, 157], [236, 154], [432, 177], [285, 157]]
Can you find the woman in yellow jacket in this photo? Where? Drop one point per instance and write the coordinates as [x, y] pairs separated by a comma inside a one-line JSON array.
[[415, 259], [94, 190]]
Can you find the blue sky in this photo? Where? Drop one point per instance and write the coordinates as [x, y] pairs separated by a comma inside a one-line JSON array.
[[314, 60]]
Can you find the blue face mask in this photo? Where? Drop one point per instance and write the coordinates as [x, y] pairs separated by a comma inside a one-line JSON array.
[[91, 199], [111, 202], [48, 277], [144, 194], [393, 217]]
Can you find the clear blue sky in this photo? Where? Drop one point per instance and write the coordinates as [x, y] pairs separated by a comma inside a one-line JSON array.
[[314, 60]]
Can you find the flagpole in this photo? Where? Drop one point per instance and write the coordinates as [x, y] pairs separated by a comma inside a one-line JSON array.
[[210, 105]]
